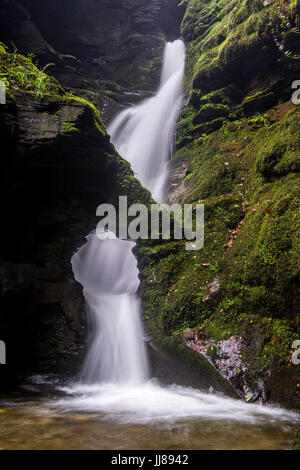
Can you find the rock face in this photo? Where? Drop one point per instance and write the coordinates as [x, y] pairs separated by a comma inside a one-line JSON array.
[[188, 334], [240, 60], [59, 164], [113, 49], [58, 167], [226, 356]]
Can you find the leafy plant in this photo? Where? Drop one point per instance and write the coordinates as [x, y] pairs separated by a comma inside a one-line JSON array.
[[3, 48], [22, 75]]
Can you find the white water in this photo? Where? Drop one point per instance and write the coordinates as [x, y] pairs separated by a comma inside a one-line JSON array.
[[108, 271], [144, 134], [151, 403], [115, 374]]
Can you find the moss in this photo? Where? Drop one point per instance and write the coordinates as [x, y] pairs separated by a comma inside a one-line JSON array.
[[211, 111], [231, 49], [2, 48], [218, 32], [69, 128], [70, 98], [252, 235], [296, 445], [208, 376], [254, 95], [23, 77], [281, 153]]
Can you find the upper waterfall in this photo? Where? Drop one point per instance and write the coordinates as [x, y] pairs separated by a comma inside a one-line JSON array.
[[144, 134]]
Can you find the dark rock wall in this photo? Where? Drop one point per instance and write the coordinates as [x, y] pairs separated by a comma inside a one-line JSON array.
[[58, 168], [110, 48]]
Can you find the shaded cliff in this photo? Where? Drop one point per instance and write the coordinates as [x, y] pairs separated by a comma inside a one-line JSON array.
[[59, 164], [57, 168], [108, 50]]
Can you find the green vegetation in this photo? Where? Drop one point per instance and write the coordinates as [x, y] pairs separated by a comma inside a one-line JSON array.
[[228, 44], [22, 77], [246, 276], [220, 32], [71, 98], [69, 128]]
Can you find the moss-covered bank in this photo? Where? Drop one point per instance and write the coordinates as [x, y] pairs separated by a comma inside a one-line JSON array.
[[238, 140]]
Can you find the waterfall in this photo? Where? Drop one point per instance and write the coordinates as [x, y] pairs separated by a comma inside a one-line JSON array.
[[144, 134], [114, 377], [107, 269]]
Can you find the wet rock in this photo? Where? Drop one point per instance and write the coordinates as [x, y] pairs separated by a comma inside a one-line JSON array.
[[225, 356], [53, 181], [188, 334], [296, 445], [92, 42]]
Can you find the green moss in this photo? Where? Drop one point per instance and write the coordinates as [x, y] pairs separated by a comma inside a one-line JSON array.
[[296, 445], [68, 97], [228, 44], [258, 275], [208, 376], [69, 128], [22, 76], [211, 111], [218, 32], [2, 48], [281, 153]]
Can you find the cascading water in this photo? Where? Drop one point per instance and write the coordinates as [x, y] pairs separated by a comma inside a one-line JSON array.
[[144, 134], [107, 269], [114, 376]]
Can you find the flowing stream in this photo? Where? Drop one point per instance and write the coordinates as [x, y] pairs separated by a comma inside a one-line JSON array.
[[143, 134], [116, 404]]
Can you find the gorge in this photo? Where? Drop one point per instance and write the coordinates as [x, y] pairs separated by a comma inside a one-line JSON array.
[[237, 150]]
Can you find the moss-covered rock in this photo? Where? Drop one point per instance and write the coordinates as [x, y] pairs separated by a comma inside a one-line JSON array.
[[296, 445], [209, 112], [113, 49], [250, 251], [238, 56]]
